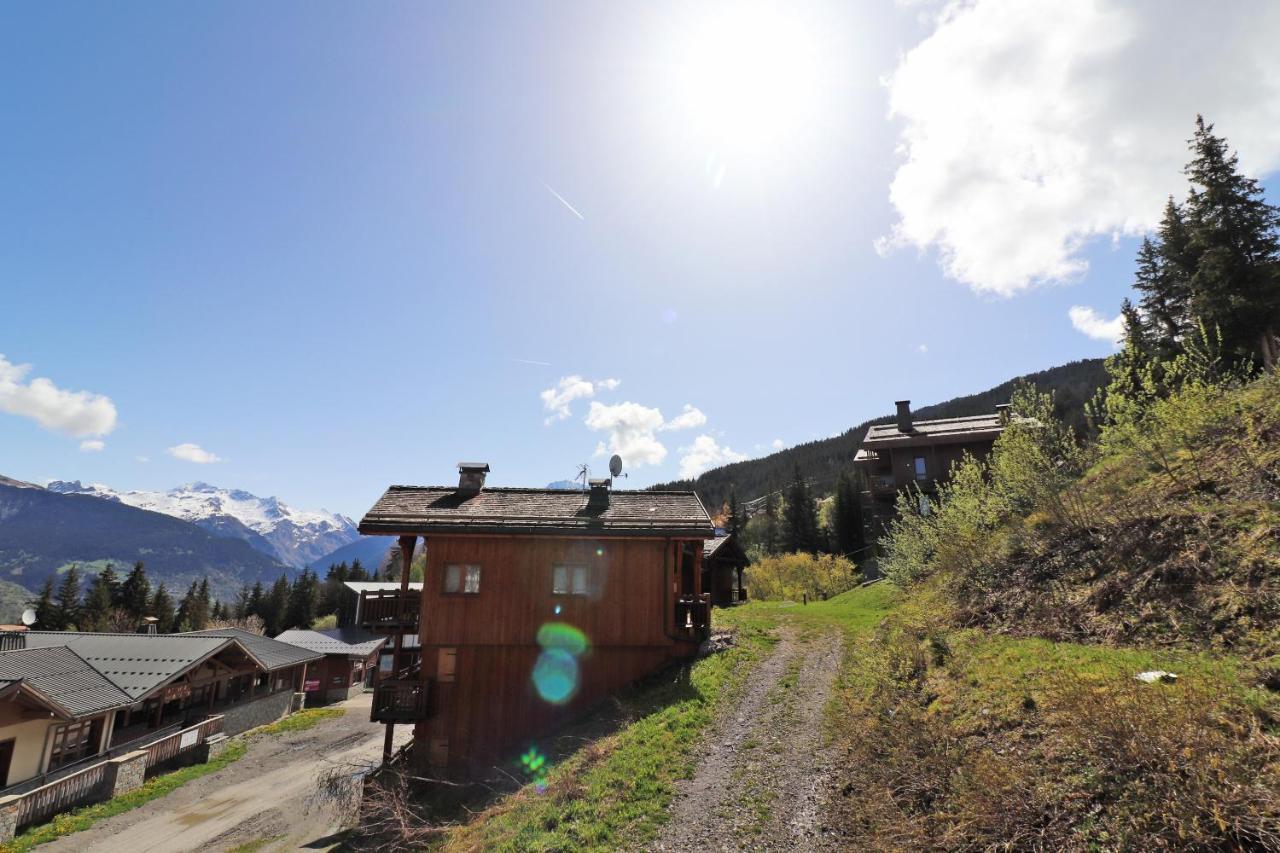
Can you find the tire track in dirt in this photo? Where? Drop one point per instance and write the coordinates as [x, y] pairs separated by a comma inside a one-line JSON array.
[[761, 774]]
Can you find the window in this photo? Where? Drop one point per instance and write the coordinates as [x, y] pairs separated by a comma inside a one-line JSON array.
[[75, 741], [459, 578], [921, 472], [569, 580]]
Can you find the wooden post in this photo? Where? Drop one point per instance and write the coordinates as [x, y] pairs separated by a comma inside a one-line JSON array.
[[407, 544]]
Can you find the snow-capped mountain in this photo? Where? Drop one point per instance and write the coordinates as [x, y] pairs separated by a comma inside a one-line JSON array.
[[294, 537]]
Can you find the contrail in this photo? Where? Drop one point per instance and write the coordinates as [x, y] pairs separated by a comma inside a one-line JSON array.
[[572, 209], [531, 361]]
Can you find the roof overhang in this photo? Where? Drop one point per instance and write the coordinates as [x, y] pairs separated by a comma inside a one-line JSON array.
[[22, 691]]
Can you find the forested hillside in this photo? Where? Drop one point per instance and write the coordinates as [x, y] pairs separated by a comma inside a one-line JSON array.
[[822, 461]]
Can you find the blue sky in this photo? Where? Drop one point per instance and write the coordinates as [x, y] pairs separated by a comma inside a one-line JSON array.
[[339, 246]]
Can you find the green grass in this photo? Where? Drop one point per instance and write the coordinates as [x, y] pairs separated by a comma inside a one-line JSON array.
[[301, 721], [255, 845], [615, 791], [83, 818]]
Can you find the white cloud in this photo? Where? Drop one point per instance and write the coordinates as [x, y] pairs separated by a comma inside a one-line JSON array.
[[193, 453], [631, 429], [923, 349], [79, 414], [143, 459], [1028, 128], [688, 419], [777, 444], [1089, 322], [557, 400], [705, 453], [92, 445]]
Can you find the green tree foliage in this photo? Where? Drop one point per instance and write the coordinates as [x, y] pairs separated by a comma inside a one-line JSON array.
[[846, 517], [792, 577], [135, 592], [48, 618], [99, 602], [275, 606], [800, 518], [195, 608], [303, 598], [162, 608], [68, 600]]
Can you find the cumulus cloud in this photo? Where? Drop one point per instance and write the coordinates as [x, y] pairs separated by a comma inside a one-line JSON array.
[[558, 399], [1029, 127], [92, 445], [1089, 322], [79, 414], [193, 453], [704, 453], [631, 428], [689, 418]]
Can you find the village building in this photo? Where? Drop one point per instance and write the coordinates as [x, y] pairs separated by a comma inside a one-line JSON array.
[[536, 604], [917, 456], [349, 665], [376, 607], [55, 710], [723, 562]]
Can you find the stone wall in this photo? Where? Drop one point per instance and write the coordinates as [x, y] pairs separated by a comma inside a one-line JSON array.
[[268, 709], [342, 694]]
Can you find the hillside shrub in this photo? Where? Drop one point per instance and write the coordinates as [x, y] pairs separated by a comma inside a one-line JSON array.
[[790, 577]]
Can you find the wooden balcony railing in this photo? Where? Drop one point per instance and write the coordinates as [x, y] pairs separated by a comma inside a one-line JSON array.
[[384, 610], [400, 700], [693, 613]]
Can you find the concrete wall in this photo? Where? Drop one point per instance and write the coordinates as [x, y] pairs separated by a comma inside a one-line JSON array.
[[30, 739], [268, 709]]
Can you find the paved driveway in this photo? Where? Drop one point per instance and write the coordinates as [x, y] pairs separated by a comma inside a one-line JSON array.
[[264, 795]]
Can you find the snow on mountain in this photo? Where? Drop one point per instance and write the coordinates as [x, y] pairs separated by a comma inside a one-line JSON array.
[[294, 537]]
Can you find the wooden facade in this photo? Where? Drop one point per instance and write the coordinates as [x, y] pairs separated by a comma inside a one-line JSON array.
[[522, 629]]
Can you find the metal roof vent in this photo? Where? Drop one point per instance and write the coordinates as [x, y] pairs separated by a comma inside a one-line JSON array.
[[904, 416], [471, 477], [12, 640]]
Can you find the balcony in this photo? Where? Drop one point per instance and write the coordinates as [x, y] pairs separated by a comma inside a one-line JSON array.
[[390, 611], [693, 613], [400, 700]]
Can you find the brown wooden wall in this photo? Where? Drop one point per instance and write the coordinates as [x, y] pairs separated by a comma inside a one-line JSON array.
[[489, 707]]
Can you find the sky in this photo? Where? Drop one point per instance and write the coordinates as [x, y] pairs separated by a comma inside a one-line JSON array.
[[313, 249]]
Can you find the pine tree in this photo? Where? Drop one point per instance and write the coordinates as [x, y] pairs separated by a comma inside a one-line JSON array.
[[47, 615], [358, 572], [1233, 232], [275, 605], [301, 609], [135, 593], [257, 599], [736, 520], [240, 609], [98, 603], [161, 607], [846, 517], [334, 588], [183, 619], [800, 520], [772, 539], [68, 600]]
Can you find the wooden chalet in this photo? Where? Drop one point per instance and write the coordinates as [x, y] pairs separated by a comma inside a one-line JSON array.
[[918, 455], [349, 665], [535, 604]]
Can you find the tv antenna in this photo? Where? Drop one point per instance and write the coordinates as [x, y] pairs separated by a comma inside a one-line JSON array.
[[583, 474]]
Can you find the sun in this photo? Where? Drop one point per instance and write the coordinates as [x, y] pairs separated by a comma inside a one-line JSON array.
[[742, 82]]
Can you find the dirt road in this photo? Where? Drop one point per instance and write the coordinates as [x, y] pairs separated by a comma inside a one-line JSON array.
[[263, 796], [762, 773]]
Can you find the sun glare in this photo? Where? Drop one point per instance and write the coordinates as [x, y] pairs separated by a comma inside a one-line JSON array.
[[743, 83]]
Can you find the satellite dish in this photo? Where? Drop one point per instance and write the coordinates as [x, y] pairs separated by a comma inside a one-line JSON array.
[[28, 617], [615, 465]]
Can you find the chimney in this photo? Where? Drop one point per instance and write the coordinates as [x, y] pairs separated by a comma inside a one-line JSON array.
[[471, 477], [904, 416], [599, 496], [148, 625], [1002, 409]]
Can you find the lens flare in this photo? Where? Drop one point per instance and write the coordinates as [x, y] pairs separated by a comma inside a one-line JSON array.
[[555, 676], [562, 636]]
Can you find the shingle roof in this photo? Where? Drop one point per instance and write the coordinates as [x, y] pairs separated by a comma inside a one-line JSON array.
[[436, 509], [64, 679], [942, 430], [272, 654], [335, 641], [724, 547], [136, 663]]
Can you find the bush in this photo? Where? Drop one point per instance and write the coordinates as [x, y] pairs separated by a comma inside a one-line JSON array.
[[790, 577]]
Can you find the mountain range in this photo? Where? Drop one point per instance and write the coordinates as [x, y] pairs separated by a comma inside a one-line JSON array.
[[296, 538]]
